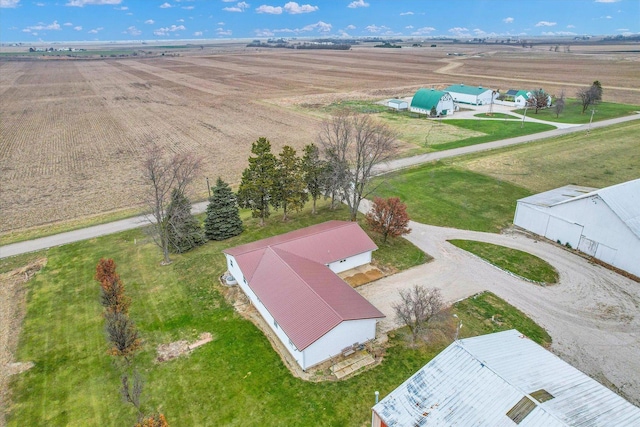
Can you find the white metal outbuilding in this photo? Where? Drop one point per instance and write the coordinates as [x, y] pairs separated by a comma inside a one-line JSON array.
[[502, 379], [603, 223]]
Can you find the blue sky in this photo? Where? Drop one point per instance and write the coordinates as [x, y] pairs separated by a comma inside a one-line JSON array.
[[112, 20]]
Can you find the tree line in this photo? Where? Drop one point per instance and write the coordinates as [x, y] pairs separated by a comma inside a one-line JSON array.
[[339, 167]]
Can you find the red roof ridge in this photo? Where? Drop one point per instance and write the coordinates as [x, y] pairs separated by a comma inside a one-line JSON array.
[[276, 250], [300, 233]]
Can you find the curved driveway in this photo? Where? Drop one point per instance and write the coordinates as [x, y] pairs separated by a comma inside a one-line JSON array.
[[592, 314]]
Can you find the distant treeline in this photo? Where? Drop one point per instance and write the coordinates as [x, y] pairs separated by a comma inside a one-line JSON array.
[[301, 46]]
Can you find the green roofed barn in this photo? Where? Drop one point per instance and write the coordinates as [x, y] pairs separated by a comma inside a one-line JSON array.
[[475, 95], [426, 99]]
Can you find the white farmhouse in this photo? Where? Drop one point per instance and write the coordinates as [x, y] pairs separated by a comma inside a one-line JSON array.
[[471, 94], [502, 379], [292, 281], [602, 223]]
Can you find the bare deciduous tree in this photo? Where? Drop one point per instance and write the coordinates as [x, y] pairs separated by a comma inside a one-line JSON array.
[[538, 99], [559, 104], [590, 96], [417, 306], [163, 174], [359, 143], [122, 335], [131, 392]]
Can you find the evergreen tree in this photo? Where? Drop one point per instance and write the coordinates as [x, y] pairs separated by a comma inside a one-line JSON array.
[[223, 218], [184, 231], [289, 187], [315, 172], [257, 180]]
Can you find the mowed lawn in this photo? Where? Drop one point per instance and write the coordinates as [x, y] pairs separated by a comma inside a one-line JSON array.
[[572, 112], [479, 191], [236, 380]]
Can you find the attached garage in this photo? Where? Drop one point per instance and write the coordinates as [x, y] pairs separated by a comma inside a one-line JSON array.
[[426, 99], [603, 223]]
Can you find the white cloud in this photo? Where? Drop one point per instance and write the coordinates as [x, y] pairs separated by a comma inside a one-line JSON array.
[[358, 3], [545, 24], [409, 27], [180, 20], [571, 26], [121, 8], [508, 20], [164, 31], [95, 30], [240, 7], [424, 31], [165, 5], [67, 24], [132, 30], [294, 8], [272, 10], [198, 33], [460, 32], [78, 28], [608, 17], [406, 13], [40, 4], [558, 33], [319, 26], [82, 3], [375, 29], [350, 27], [9, 3], [149, 21], [188, 7], [223, 32], [220, 23], [606, 1], [42, 27]]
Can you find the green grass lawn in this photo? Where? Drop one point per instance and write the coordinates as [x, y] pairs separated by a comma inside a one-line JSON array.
[[517, 262], [442, 195], [493, 130], [236, 380], [604, 157], [495, 116], [572, 112]]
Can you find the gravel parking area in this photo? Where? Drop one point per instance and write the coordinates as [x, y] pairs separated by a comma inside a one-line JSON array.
[[592, 314]]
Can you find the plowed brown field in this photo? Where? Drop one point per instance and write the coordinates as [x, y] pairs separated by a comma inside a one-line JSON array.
[[73, 131]]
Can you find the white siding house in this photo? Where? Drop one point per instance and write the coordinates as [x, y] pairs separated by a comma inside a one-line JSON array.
[[291, 280], [602, 223]]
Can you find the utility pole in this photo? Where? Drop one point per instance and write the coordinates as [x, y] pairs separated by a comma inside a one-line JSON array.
[[208, 187], [524, 117], [593, 110]]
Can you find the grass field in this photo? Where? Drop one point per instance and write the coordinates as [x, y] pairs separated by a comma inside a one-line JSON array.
[[604, 157], [517, 262], [235, 380], [572, 112], [449, 196]]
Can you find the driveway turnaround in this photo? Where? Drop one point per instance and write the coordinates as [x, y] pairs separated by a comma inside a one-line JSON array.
[[592, 314]]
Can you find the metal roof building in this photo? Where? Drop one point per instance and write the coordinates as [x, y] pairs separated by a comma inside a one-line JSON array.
[[426, 99], [502, 379], [291, 280], [603, 223], [475, 95]]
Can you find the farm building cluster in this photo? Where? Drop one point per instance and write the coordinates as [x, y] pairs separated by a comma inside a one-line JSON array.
[[446, 101]]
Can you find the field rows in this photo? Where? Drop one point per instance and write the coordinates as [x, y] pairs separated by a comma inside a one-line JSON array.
[[73, 132]]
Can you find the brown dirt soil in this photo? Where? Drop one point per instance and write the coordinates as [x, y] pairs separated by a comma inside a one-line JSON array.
[[74, 132], [13, 301]]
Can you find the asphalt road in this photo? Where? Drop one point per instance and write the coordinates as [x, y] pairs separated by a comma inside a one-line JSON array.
[[136, 222]]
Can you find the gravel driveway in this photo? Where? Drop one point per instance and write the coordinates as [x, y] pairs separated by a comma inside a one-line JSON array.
[[592, 314]]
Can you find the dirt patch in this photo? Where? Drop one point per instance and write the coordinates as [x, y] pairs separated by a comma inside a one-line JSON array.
[[179, 348], [362, 275], [13, 302]]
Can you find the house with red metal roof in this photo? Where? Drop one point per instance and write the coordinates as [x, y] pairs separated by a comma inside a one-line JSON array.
[[292, 281]]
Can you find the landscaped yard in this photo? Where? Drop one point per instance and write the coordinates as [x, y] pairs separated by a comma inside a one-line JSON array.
[[572, 112], [237, 379]]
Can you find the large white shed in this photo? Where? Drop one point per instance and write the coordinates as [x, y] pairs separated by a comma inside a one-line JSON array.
[[603, 223], [474, 95]]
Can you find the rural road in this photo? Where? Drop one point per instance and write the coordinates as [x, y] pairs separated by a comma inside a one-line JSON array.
[[136, 222], [592, 314]]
